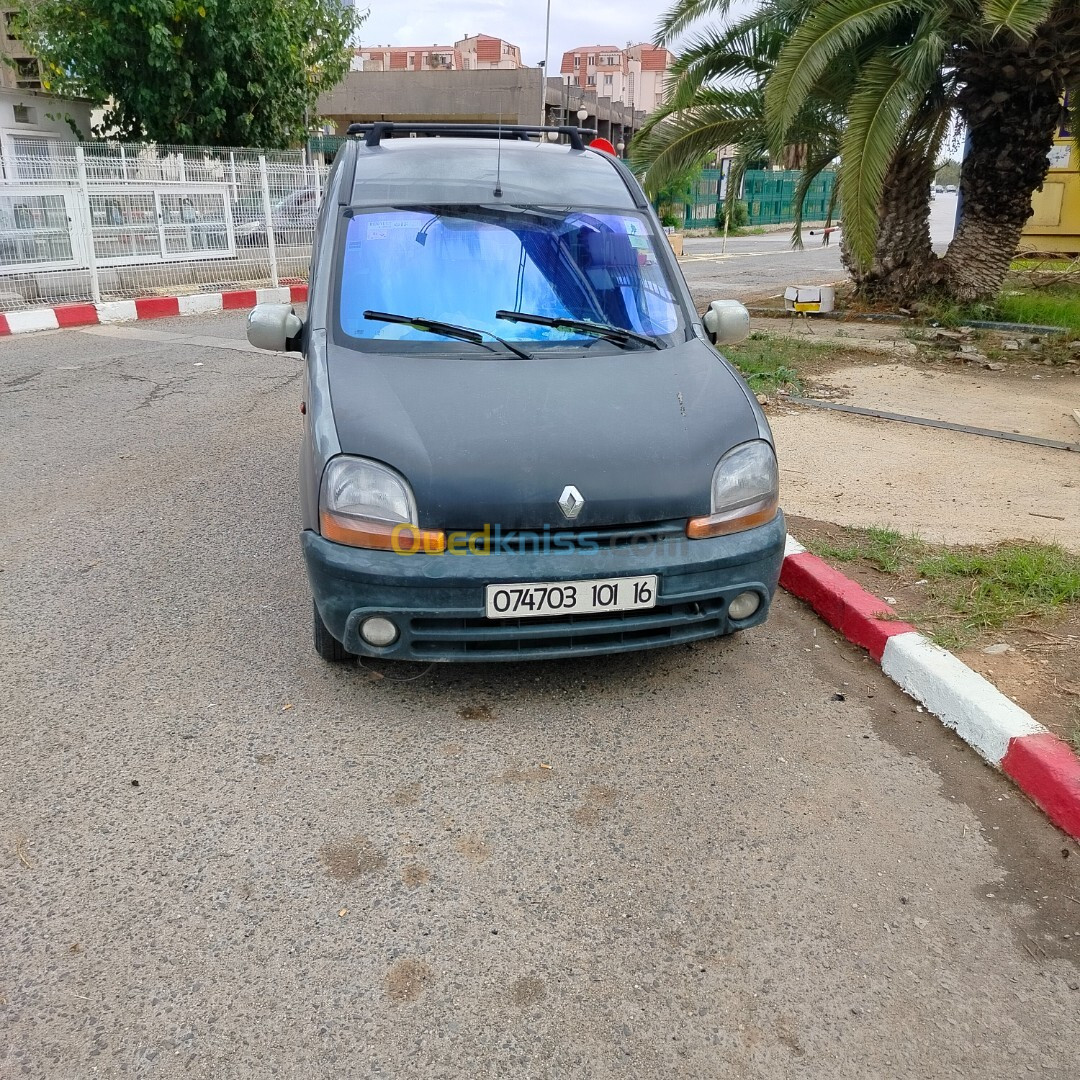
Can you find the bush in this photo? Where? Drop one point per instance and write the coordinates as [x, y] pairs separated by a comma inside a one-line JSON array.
[[740, 217]]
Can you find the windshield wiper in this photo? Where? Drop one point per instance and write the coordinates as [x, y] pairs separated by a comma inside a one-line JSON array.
[[433, 326], [602, 330]]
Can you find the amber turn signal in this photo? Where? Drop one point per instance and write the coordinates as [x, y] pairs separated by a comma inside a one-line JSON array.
[[381, 536], [747, 517]]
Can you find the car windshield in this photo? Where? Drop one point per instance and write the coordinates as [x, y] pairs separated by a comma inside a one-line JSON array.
[[463, 265]]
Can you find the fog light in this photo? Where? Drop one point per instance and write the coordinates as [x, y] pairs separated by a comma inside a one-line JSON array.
[[744, 605], [378, 632]]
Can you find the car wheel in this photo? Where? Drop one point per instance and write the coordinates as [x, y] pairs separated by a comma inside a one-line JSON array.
[[326, 645]]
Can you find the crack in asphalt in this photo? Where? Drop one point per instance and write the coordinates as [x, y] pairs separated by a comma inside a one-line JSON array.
[[20, 380]]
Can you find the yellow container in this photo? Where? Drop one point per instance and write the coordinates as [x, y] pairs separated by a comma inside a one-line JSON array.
[[1054, 224]]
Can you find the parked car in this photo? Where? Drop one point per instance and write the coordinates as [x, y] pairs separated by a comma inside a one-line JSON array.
[[519, 440], [938, 189], [293, 217], [950, 189]]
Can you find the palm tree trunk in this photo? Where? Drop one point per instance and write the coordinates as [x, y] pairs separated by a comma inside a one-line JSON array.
[[1010, 103], [904, 261]]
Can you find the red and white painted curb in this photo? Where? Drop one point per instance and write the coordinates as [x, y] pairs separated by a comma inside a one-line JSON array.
[[153, 307], [1043, 766]]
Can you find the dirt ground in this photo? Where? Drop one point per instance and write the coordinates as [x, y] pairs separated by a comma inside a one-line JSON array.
[[949, 487]]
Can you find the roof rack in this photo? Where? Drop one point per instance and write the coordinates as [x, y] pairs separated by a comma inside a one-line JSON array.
[[378, 130]]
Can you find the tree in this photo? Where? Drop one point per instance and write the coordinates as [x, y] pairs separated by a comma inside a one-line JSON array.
[[1002, 65], [717, 98], [948, 172], [204, 72]]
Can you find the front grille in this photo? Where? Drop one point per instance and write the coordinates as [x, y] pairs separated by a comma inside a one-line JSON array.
[[475, 637]]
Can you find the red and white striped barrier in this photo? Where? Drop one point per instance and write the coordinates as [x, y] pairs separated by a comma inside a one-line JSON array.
[[153, 307], [1043, 766]]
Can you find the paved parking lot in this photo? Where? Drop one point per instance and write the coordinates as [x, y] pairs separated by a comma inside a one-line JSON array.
[[755, 267], [223, 858]]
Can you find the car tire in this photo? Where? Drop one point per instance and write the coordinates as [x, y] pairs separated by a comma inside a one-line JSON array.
[[326, 645]]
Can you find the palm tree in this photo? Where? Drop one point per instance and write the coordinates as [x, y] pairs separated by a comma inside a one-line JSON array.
[[717, 98], [1003, 65]]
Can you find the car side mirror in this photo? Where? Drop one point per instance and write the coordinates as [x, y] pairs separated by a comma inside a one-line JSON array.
[[274, 327], [726, 322]]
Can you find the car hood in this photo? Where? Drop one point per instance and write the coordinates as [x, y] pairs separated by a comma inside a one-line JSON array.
[[495, 441]]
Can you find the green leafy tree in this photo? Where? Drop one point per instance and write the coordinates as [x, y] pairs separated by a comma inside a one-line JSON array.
[[206, 72], [948, 172], [1002, 65]]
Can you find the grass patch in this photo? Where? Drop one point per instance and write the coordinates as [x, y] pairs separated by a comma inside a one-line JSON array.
[[1055, 305], [770, 363], [884, 549], [1047, 266], [966, 590], [990, 587]]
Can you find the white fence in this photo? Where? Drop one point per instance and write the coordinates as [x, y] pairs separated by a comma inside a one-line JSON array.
[[86, 222]]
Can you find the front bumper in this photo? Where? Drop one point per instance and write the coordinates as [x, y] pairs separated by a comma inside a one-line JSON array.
[[437, 601]]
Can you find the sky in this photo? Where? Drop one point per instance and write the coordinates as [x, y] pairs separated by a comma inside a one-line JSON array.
[[521, 22]]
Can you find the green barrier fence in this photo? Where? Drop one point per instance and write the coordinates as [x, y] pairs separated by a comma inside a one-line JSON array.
[[769, 198]]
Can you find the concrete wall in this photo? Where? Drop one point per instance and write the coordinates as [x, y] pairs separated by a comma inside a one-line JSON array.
[[436, 96], [471, 96]]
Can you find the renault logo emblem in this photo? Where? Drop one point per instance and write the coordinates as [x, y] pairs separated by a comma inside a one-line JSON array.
[[570, 502]]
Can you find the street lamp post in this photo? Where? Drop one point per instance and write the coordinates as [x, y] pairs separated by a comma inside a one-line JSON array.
[[544, 74]]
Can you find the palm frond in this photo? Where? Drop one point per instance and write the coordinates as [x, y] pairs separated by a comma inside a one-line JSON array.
[[923, 57], [682, 14], [833, 27], [670, 145], [813, 168], [1022, 17], [875, 115]]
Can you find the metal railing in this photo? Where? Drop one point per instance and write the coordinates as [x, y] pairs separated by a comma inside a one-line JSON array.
[[91, 222]]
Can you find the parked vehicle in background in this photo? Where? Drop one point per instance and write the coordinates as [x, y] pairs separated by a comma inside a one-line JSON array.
[[293, 217], [950, 189], [519, 441]]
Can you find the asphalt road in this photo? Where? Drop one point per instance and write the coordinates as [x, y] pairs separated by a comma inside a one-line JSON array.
[[756, 267], [222, 858]]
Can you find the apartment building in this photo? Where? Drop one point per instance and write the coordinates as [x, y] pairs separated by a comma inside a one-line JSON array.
[[19, 69], [32, 122], [478, 52], [635, 75]]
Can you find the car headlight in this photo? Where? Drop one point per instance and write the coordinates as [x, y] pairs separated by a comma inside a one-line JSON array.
[[745, 492], [366, 504]]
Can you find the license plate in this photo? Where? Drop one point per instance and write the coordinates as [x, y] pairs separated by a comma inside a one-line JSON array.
[[530, 599]]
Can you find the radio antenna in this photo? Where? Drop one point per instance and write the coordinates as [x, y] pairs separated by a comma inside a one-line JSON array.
[[498, 163]]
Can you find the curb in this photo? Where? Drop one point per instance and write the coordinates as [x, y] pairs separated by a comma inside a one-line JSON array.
[[1043, 766], [153, 307]]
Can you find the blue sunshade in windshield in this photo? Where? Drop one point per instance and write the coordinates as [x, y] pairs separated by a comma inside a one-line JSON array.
[[461, 265]]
